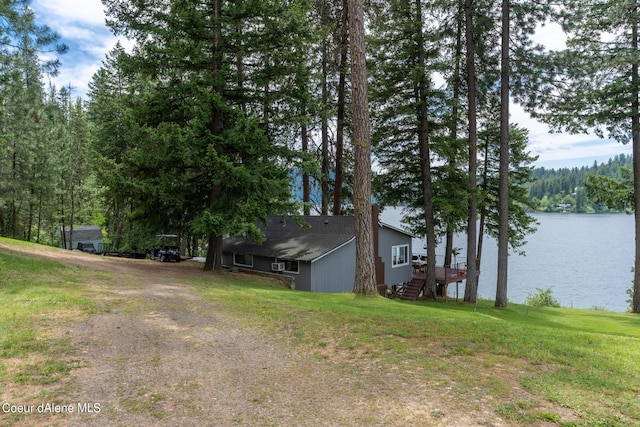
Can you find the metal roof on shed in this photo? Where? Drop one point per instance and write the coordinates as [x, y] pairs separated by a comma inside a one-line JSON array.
[[84, 232]]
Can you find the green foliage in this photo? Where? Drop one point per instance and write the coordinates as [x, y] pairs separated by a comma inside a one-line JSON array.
[[193, 127], [614, 193], [541, 298], [395, 123], [521, 223], [396, 128], [586, 189], [28, 158]]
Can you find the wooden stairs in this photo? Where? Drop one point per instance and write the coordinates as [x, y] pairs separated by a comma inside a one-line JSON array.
[[413, 289]]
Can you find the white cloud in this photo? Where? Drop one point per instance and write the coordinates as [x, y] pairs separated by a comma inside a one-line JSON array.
[[558, 149], [81, 25], [551, 36], [88, 12]]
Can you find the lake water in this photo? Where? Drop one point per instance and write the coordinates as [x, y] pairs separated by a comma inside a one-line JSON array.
[[585, 259]]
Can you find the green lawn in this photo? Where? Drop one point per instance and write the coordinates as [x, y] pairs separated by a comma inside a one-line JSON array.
[[38, 298], [584, 361], [587, 361]]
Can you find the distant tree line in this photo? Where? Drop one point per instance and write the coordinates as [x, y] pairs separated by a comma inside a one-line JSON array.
[[565, 189], [45, 180]]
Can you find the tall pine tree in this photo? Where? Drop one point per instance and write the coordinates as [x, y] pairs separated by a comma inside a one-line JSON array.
[[213, 159]]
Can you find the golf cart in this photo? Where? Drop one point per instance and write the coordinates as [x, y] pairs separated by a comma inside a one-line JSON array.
[[87, 248], [167, 249]]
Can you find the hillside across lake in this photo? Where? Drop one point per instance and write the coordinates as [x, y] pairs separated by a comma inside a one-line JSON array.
[[563, 189]]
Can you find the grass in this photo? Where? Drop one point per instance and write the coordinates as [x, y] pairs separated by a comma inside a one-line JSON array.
[[578, 367], [585, 361], [39, 298]]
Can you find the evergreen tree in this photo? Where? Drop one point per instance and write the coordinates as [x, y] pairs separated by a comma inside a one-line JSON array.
[[471, 284], [209, 121], [405, 102], [23, 158], [503, 188], [616, 193], [365, 281], [110, 111], [594, 84]]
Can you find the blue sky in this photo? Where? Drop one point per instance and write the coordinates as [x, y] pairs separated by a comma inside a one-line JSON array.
[[81, 24]]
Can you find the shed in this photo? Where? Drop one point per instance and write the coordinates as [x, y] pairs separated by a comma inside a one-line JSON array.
[[82, 234], [319, 252]]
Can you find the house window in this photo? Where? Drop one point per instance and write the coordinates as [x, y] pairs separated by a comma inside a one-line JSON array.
[[245, 260], [291, 266], [399, 256]]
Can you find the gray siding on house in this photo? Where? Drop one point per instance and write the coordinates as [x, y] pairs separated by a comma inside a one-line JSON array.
[[262, 264], [302, 278], [388, 237], [336, 271], [324, 247]]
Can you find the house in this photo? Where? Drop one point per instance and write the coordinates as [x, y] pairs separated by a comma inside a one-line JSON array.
[[81, 234], [320, 254]]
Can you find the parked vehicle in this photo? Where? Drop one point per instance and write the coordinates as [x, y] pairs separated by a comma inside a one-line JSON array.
[[87, 247], [167, 249]]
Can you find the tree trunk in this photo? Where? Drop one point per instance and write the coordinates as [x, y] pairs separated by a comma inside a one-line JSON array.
[[195, 250], [471, 287], [14, 199], [63, 236], [40, 195], [448, 251], [30, 218], [453, 131], [635, 127], [214, 251], [365, 280], [214, 254], [342, 85], [503, 189], [483, 208], [71, 216], [306, 186], [425, 159], [324, 131]]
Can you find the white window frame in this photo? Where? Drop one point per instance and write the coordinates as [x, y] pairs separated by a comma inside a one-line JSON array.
[[395, 254], [249, 256]]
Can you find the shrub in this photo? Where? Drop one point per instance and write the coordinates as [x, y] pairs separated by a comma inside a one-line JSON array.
[[542, 298]]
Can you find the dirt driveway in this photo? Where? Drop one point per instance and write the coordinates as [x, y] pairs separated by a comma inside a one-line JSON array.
[[165, 357]]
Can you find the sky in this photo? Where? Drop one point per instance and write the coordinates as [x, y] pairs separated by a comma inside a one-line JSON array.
[[81, 25]]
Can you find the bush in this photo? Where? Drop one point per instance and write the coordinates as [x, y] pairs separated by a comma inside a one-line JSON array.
[[542, 298]]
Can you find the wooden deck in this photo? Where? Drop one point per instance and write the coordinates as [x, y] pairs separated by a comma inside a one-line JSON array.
[[444, 276]]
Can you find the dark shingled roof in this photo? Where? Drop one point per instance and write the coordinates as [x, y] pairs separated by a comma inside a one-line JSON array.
[[287, 240]]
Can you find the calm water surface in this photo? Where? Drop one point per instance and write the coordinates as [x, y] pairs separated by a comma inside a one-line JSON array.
[[585, 259]]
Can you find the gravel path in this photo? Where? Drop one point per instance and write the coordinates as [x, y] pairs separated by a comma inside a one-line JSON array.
[[170, 356]]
